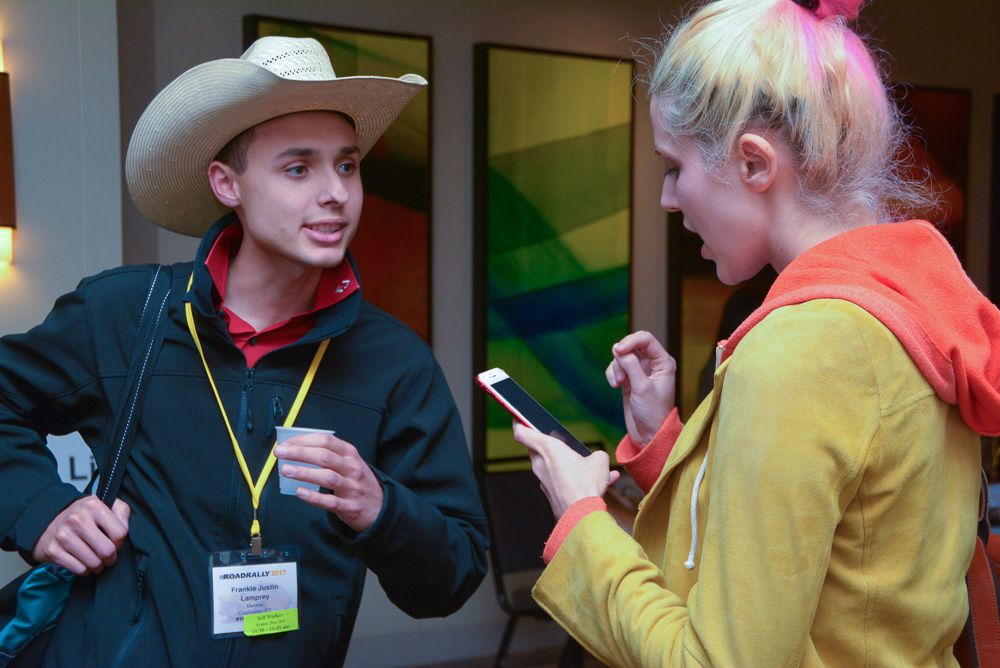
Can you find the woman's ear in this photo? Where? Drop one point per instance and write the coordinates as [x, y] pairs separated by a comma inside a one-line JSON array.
[[758, 161], [222, 178]]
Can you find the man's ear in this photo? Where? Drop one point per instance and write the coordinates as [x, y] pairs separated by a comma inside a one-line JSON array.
[[758, 161], [222, 178]]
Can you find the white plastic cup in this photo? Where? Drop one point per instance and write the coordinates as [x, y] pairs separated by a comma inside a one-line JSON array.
[[289, 485]]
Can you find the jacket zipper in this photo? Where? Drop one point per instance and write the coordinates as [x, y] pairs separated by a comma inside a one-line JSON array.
[[278, 413], [246, 409]]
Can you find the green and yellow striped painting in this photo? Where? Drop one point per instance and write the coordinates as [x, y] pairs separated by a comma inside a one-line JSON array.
[[554, 245]]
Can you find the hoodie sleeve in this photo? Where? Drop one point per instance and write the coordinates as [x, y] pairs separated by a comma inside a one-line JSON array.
[[432, 522], [48, 385], [794, 432]]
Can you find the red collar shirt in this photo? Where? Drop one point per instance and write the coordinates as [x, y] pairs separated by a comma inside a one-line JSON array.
[[336, 284]]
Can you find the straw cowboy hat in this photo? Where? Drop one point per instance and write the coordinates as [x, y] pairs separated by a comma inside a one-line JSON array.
[[189, 122]]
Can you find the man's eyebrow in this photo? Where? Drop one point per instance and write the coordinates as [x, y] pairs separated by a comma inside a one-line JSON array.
[[296, 152], [304, 152]]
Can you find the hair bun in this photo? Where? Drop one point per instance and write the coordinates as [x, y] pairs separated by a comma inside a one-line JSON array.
[[849, 9]]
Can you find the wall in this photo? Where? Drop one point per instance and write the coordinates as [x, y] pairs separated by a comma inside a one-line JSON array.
[[63, 60]]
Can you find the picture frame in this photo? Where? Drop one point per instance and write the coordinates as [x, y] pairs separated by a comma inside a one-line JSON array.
[[940, 120], [994, 286], [393, 245], [553, 143]]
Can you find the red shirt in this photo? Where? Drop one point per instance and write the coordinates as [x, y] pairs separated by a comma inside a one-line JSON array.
[[335, 284]]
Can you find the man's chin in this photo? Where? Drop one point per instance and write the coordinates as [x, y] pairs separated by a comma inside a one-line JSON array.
[[322, 258]]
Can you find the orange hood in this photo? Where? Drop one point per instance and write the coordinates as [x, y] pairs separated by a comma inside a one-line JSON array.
[[908, 277]]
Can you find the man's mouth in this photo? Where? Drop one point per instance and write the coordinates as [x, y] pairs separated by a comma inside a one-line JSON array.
[[326, 228], [331, 232]]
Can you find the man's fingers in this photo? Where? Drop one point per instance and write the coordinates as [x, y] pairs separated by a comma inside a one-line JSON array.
[[83, 550], [68, 561], [323, 450], [323, 477], [122, 511], [322, 441]]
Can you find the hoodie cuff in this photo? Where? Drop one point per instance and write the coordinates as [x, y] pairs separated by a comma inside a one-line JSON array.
[[570, 519], [645, 464]]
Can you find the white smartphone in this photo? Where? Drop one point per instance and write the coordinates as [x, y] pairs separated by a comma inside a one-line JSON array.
[[525, 409]]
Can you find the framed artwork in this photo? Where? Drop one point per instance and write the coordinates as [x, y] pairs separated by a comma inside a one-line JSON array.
[[939, 147], [393, 244], [553, 212]]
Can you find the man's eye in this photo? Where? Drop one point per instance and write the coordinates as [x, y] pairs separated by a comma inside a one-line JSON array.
[[346, 168], [297, 170]]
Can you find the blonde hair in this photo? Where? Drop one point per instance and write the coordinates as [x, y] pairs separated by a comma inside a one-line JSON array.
[[736, 65]]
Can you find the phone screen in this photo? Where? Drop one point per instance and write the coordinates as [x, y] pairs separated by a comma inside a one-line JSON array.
[[533, 412]]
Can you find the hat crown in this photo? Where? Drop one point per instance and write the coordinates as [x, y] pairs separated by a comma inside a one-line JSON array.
[[300, 59]]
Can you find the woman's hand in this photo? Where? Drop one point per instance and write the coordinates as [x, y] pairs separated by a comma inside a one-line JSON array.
[[647, 376], [566, 477]]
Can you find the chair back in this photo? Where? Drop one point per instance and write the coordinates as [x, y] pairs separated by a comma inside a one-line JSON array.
[[520, 521]]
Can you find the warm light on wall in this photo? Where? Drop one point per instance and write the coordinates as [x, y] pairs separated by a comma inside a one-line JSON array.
[[8, 220], [6, 246]]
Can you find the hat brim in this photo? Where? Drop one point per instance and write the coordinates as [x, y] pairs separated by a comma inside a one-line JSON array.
[[194, 117]]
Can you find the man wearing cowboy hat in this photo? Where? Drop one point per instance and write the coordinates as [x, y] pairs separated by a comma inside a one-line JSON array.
[[201, 561]]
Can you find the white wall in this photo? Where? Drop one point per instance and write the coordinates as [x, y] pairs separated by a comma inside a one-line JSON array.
[[63, 61]]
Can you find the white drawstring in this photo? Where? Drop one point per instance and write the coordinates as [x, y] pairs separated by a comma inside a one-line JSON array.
[[689, 564]]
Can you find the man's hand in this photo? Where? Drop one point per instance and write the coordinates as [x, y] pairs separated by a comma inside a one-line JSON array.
[[355, 494], [646, 374], [85, 537]]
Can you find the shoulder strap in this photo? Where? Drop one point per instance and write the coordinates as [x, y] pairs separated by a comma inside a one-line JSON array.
[[144, 354]]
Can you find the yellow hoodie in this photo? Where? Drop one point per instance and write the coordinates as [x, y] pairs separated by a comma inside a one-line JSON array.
[[819, 508]]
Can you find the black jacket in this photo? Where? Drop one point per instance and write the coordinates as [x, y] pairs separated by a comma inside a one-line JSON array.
[[378, 387]]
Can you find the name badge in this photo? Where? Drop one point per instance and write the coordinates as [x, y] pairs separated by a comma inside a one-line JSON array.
[[254, 595]]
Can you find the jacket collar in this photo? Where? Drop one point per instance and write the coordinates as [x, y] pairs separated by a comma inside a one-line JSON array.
[[330, 322]]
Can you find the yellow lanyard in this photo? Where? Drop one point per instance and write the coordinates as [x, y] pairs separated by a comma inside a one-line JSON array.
[[258, 487]]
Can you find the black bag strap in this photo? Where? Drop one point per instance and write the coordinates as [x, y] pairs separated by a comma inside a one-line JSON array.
[[130, 403]]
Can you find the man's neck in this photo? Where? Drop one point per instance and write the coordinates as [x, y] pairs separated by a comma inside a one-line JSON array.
[[264, 293]]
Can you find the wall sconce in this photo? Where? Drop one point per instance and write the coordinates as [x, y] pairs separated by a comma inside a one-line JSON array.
[[8, 220]]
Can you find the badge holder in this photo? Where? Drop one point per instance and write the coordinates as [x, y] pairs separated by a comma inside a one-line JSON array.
[[254, 594]]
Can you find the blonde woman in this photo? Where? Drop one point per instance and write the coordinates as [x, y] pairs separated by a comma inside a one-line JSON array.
[[819, 508]]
